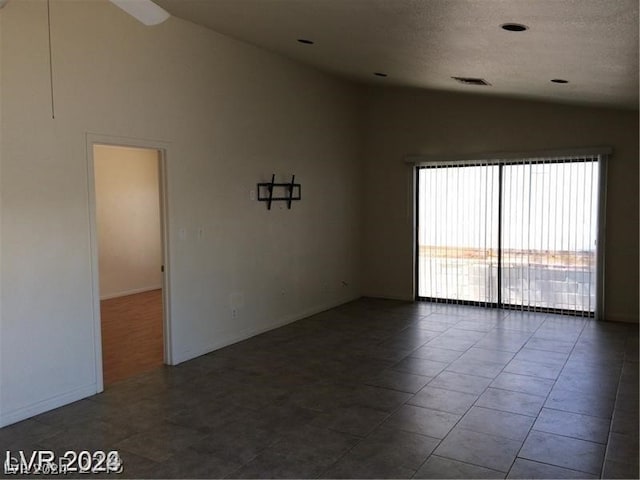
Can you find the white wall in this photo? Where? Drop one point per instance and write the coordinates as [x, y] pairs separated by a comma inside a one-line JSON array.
[[128, 220], [231, 115], [3, 356], [400, 122]]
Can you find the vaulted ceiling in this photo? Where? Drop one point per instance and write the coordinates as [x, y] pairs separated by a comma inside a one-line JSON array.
[[593, 44]]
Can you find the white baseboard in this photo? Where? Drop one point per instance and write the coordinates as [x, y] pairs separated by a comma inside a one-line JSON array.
[[402, 298], [130, 292], [7, 418], [248, 333]]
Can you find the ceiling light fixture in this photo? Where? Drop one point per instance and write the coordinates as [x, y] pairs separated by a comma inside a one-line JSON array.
[[145, 11], [305, 41], [514, 27], [380, 74]]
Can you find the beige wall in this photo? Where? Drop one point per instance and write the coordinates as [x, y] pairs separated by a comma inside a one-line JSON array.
[[406, 121], [127, 220], [230, 115]]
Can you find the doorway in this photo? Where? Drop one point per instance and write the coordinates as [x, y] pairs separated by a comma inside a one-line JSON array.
[[129, 256], [511, 234]]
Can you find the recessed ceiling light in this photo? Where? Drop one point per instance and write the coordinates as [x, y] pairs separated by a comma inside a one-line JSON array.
[[380, 74], [514, 27], [559, 80], [305, 41]]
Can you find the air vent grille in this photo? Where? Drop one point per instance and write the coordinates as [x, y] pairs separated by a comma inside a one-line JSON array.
[[472, 81]]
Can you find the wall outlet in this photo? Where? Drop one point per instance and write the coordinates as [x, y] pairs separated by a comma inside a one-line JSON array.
[[234, 313]]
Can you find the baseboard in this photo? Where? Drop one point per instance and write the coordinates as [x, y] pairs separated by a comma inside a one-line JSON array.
[[46, 405], [130, 292], [621, 318], [402, 298], [248, 333]]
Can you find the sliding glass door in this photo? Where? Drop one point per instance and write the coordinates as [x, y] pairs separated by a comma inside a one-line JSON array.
[[549, 227], [512, 234], [458, 233]]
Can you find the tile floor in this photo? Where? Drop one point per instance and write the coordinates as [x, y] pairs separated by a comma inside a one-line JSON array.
[[375, 389]]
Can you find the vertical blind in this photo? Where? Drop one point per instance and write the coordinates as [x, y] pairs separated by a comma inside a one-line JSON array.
[[519, 234], [458, 233]]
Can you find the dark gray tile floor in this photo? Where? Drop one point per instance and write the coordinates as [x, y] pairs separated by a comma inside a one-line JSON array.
[[375, 389]]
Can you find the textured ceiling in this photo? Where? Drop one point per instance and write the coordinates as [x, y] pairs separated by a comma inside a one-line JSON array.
[[423, 43]]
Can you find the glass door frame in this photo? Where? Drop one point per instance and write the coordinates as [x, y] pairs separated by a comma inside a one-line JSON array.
[[564, 156]]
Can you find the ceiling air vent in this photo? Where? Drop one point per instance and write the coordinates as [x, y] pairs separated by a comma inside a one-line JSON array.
[[471, 81]]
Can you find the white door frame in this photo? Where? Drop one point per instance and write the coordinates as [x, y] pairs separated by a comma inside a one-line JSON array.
[[163, 148]]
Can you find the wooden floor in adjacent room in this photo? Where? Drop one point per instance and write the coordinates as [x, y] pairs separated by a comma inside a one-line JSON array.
[[132, 332]]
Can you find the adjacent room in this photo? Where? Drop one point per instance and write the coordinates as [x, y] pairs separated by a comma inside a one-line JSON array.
[[130, 260], [319, 239]]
